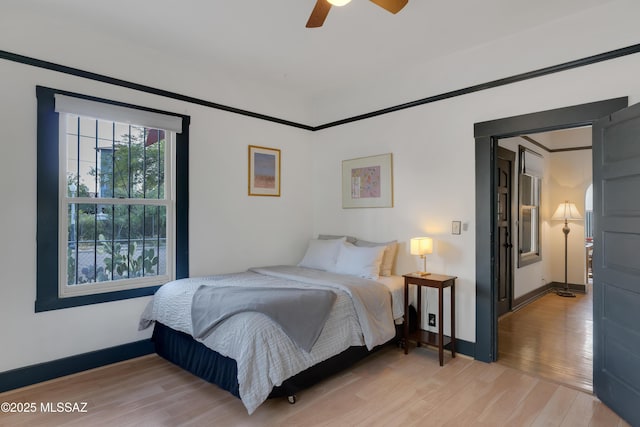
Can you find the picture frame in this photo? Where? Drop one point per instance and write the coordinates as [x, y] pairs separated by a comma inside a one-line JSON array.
[[367, 182], [264, 171], [456, 227]]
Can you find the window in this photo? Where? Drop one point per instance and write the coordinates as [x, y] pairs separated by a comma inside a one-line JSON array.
[[112, 200], [530, 177], [588, 214]]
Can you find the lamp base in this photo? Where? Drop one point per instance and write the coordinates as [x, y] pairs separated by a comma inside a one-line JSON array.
[[566, 293], [421, 273]]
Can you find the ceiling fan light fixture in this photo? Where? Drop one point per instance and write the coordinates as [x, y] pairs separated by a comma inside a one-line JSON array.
[[339, 2]]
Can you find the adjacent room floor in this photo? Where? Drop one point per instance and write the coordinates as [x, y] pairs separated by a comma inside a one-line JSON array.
[[552, 338]]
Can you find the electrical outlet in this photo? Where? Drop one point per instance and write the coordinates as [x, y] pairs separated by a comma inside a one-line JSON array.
[[432, 319]]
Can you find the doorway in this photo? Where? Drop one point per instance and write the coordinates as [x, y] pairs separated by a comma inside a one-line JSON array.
[[616, 295], [546, 335], [487, 135]]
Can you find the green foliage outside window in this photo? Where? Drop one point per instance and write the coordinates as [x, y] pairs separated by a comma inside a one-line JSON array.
[[117, 241]]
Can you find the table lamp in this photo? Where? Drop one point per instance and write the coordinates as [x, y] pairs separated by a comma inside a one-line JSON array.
[[422, 246]]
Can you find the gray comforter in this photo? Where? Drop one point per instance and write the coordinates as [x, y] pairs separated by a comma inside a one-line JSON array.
[[301, 313], [371, 300]]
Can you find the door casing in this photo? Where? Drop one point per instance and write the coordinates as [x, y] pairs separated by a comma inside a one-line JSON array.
[[486, 135]]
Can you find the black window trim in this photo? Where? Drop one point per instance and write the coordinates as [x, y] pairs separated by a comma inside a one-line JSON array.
[[47, 164]]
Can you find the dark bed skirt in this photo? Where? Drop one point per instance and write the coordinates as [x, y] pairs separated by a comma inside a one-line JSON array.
[[193, 356]]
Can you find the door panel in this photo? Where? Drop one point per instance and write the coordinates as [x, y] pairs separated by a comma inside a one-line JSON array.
[[616, 262], [618, 203]]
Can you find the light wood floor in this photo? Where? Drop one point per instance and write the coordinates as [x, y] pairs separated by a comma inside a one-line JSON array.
[[387, 389], [552, 338]]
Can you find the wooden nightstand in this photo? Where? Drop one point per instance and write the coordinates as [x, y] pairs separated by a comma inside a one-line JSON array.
[[421, 336]]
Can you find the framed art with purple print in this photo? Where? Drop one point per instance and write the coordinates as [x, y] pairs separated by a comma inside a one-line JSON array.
[[367, 182]]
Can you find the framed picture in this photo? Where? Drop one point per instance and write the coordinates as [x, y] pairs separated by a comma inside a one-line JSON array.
[[264, 171], [367, 182]]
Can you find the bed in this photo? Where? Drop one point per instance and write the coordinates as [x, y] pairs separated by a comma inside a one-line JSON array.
[[249, 353]]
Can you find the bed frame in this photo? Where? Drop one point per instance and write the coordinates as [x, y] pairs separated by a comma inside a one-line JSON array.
[[193, 356]]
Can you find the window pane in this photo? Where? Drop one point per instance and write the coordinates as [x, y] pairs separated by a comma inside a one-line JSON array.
[[105, 165], [114, 242], [526, 190], [136, 162], [86, 229], [140, 241], [534, 229], [105, 133], [121, 242], [71, 264], [71, 148], [154, 164], [161, 165], [87, 164], [121, 161], [121, 132], [72, 244], [114, 160], [104, 245], [155, 241], [129, 164], [136, 266], [526, 242], [105, 158], [111, 256], [86, 222], [88, 127], [72, 164], [121, 168]]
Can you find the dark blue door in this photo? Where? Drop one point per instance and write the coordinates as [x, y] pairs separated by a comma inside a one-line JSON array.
[[616, 262]]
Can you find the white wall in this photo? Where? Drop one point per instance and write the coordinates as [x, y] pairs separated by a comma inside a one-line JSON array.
[[433, 148], [571, 175], [229, 231], [434, 166]]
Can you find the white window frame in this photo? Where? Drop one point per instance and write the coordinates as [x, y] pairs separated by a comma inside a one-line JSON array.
[[169, 202]]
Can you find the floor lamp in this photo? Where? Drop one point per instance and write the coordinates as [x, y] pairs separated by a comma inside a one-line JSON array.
[[567, 212]]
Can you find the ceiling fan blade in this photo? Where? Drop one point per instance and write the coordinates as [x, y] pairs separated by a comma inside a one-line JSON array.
[[319, 14], [393, 6]]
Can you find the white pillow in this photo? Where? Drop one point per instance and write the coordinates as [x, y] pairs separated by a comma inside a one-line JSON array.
[[359, 261], [321, 254], [389, 254]]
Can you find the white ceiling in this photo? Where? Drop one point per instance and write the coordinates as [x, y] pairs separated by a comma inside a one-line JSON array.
[[565, 138], [266, 40]]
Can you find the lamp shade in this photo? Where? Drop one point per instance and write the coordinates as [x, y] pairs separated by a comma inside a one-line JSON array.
[[566, 211], [339, 2], [421, 246]]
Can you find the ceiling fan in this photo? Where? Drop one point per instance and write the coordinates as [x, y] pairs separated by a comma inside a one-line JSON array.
[[322, 7]]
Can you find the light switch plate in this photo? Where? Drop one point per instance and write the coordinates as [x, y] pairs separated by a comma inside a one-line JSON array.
[[456, 227]]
